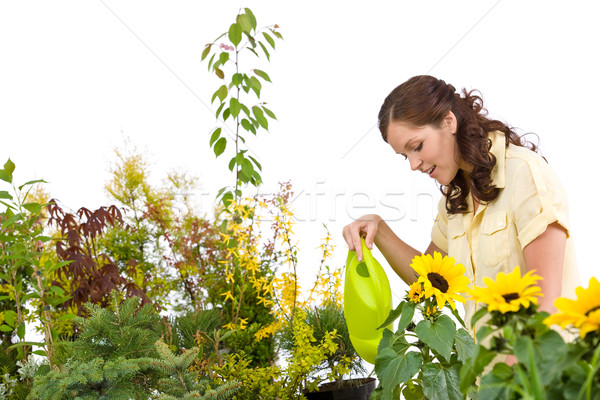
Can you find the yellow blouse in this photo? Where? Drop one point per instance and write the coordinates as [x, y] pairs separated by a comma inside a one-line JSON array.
[[492, 239]]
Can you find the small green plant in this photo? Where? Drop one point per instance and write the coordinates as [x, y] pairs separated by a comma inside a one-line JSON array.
[[422, 359], [240, 95]]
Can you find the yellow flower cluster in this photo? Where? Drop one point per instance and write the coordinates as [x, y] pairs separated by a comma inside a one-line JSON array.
[[306, 353], [242, 238]]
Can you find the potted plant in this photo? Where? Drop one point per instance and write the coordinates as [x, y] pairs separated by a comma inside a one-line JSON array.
[[335, 361]]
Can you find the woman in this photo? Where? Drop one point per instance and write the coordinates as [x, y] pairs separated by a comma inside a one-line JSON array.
[[502, 205]]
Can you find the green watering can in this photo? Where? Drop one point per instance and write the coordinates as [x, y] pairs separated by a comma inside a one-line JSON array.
[[367, 302]]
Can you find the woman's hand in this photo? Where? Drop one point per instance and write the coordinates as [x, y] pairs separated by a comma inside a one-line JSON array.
[[366, 226]]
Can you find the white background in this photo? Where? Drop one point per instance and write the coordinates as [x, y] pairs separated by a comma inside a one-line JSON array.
[[78, 78]]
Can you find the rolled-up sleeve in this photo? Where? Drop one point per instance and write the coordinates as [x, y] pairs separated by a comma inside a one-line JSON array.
[[539, 200]]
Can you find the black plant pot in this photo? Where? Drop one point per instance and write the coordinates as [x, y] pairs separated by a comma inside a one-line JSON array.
[[352, 389]]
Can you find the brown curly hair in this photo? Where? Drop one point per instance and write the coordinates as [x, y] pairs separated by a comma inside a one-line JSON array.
[[426, 100]]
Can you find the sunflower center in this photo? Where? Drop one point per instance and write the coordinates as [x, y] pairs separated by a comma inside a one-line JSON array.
[[510, 297], [592, 310], [438, 281]]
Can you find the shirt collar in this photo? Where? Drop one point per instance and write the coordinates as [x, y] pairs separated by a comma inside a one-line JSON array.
[[499, 151]]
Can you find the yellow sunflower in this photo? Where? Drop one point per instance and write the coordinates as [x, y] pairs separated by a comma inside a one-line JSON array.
[[583, 313], [415, 294], [509, 292], [441, 278]]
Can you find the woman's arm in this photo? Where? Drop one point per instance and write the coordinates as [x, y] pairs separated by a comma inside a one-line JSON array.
[[546, 254], [397, 253]]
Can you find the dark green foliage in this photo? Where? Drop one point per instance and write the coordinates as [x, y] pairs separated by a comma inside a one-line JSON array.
[[118, 355], [179, 383], [127, 332], [110, 357], [95, 379], [182, 332]]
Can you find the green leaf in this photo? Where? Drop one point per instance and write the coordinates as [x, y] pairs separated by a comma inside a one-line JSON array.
[[256, 163], [440, 382], [9, 167], [246, 124], [255, 85], [392, 316], [22, 344], [464, 344], [206, 51], [269, 39], [474, 366], [235, 33], [277, 34], [10, 317], [232, 163], [237, 78], [220, 146], [234, 107], [5, 176], [21, 330], [226, 114], [66, 317], [247, 168], [269, 112], [215, 135], [5, 328], [244, 21], [483, 332], [262, 74], [262, 46], [223, 57], [260, 117], [438, 335], [219, 73], [219, 110], [5, 195], [32, 182], [40, 353], [495, 385], [33, 208], [251, 17], [393, 369], [30, 295], [221, 93], [385, 340], [478, 315], [456, 315], [210, 62]]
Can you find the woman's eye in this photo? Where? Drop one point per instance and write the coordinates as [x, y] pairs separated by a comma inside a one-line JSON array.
[[419, 147]]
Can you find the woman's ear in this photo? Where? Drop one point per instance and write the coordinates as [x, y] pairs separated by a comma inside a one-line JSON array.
[[450, 122]]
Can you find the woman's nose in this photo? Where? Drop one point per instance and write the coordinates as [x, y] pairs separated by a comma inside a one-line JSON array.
[[415, 163]]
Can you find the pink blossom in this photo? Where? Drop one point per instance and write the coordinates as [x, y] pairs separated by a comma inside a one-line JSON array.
[[226, 47]]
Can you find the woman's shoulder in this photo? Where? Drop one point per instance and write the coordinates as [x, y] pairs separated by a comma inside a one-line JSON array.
[[521, 161], [517, 156]]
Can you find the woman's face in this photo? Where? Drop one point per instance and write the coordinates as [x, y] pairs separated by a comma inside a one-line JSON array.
[[429, 149]]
